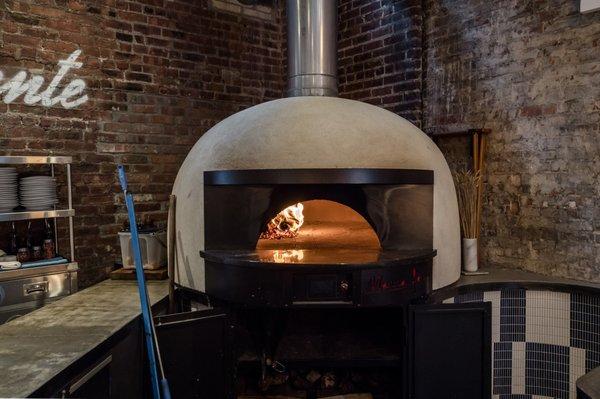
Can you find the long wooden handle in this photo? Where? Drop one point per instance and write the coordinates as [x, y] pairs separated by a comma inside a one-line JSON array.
[[480, 170], [475, 152], [171, 251]]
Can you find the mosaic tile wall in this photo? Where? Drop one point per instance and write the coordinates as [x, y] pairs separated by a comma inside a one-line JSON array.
[[542, 341]]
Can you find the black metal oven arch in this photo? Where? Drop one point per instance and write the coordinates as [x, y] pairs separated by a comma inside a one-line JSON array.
[[360, 176], [239, 203]]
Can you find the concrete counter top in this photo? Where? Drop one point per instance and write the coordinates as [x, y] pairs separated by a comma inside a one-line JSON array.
[[41, 344], [513, 278]]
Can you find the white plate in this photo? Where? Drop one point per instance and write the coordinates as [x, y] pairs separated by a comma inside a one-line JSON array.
[[39, 199], [38, 192], [38, 196], [36, 200], [37, 188]]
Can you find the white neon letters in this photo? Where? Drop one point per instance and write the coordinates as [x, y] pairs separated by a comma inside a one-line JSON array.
[[18, 85]]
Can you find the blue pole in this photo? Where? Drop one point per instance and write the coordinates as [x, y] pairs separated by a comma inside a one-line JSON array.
[[141, 280]]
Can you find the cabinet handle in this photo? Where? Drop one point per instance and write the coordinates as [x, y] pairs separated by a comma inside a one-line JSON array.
[[87, 376], [34, 288]]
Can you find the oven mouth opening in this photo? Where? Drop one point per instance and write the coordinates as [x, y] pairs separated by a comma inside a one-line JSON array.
[[317, 224]]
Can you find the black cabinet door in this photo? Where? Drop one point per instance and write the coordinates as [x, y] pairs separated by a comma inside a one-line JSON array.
[[127, 366], [94, 383], [196, 353], [450, 351]]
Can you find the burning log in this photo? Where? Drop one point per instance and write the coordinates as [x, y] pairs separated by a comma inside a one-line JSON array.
[[285, 224], [328, 381], [313, 376]]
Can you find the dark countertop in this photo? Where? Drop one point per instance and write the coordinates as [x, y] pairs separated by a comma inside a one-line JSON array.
[[38, 346], [589, 384]]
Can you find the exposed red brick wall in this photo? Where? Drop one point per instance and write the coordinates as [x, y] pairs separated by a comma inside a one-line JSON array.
[[529, 72], [159, 74], [379, 49]]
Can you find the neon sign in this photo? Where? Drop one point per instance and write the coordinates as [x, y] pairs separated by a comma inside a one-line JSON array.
[[69, 97]]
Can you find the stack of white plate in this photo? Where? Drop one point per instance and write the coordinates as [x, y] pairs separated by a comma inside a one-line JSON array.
[[8, 189], [38, 193]]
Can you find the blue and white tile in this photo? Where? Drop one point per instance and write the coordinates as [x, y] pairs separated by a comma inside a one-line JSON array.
[[576, 368], [548, 318], [512, 315], [494, 298], [518, 368]]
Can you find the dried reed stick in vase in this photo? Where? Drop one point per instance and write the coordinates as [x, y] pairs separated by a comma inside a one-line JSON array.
[[467, 190]]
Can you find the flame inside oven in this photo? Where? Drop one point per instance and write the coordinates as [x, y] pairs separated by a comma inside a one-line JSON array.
[[285, 224], [287, 256]]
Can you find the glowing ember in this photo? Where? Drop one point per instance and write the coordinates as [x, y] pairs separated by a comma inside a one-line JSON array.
[[288, 255], [286, 224]]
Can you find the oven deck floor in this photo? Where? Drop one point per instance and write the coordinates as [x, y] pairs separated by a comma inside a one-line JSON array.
[[320, 257]]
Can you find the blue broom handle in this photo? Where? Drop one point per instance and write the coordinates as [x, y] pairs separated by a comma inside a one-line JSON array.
[[141, 280]]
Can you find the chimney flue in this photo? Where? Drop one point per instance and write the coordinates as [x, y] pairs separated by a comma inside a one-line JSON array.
[[312, 48]]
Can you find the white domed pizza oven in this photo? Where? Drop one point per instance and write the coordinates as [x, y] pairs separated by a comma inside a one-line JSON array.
[[313, 133]]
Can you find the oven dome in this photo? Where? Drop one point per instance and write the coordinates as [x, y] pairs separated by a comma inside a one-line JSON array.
[[312, 132]]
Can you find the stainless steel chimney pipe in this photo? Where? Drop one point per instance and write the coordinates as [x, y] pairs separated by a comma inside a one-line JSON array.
[[312, 48]]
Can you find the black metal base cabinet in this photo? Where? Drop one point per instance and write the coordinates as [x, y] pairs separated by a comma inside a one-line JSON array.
[[447, 356]]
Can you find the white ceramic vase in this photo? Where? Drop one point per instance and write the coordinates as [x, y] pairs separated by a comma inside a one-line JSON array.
[[469, 254]]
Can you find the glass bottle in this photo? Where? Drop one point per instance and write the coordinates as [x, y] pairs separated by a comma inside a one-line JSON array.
[[49, 247], [28, 243], [13, 240]]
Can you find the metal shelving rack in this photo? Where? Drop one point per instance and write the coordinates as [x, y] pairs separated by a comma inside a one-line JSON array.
[[29, 288], [48, 214]]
